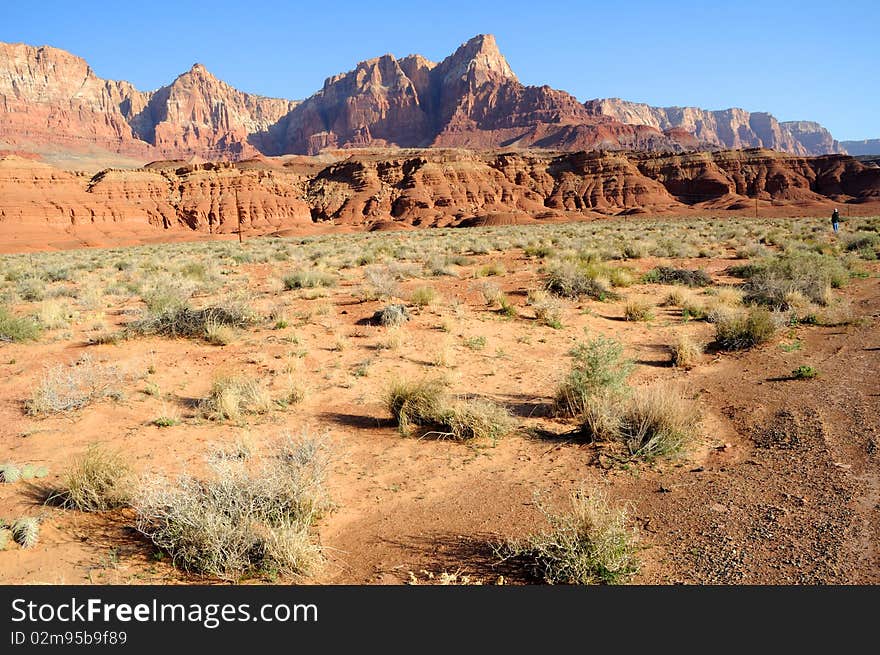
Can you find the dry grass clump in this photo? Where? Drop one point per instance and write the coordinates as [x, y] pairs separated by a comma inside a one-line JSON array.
[[54, 314], [248, 517], [68, 388], [649, 424], [657, 423], [308, 280], [425, 404], [685, 352], [97, 481], [232, 397], [424, 296], [548, 309], [599, 368], [15, 328], [592, 543], [738, 330], [638, 310]]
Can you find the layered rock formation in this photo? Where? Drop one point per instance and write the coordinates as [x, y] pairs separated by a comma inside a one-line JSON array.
[[434, 187], [52, 102], [726, 128]]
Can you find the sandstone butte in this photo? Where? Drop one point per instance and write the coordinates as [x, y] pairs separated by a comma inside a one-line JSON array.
[[394, 143]]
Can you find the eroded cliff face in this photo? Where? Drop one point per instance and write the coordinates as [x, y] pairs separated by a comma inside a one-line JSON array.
[[726, 128], [52, 100], [433, 187]]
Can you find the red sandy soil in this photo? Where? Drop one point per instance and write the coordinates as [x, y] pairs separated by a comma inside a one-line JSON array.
[[783, 486]]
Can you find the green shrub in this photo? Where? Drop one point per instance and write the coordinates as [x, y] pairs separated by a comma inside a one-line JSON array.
[[14, 328], [804, 372], [598, 367], [308, 280], [593, 543]]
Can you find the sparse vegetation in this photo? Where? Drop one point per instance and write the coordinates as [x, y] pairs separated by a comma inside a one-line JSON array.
[[804, 372], [68, 388], [685, 352], [97, 481], [670, 275], [599, 367], [740, 330], [251, 516], [637, 310], [592, 543], [14, 328], [233, 397]]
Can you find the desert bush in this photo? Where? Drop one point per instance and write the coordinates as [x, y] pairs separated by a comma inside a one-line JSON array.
[[15, 328], [97, 481], [308, 280], [425, 404], [414, 404], [26, 531], [54, 315], [381, 282], [592, 543], [670, 275], [572, 280], [548, 310], [68, 388], [5, 536], [598, 367], [218, 334], [424, 296], [657, 423], [490, 270], [247, 517], [738, 330], [231, 397], [490, 291], [391, 316], [685, 352], [473, 418], [811, 274], [191, 323], [637, 310]]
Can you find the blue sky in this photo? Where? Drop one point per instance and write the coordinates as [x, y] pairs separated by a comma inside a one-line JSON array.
[[798, 60]]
